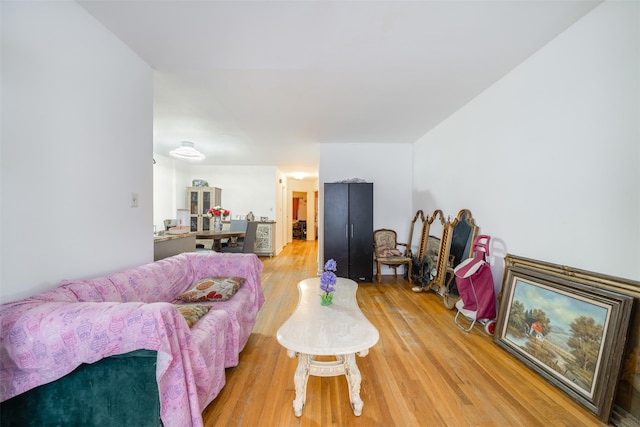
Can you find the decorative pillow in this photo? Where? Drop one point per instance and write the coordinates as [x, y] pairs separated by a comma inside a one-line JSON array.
[[192, 312], [212, 289], [385, 252]]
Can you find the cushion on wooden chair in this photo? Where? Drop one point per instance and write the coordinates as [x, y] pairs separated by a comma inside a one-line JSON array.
[[386, 252]]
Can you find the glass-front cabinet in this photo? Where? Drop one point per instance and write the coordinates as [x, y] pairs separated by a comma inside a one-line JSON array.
[[200, 200]]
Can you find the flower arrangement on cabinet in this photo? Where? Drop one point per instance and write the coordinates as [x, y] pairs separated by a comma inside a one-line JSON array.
[[328, 282], [217, 211]]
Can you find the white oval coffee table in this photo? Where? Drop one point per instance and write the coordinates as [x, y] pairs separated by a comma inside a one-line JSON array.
[[339, 330]]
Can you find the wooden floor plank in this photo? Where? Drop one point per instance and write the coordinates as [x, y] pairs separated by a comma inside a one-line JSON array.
[[424, 371]]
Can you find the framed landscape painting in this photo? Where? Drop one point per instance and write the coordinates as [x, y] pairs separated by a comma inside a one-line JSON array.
[[571, 333]]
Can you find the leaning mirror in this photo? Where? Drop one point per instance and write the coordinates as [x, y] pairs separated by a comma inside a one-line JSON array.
[[456, 246], [417, 244], [415, 233], [427, 267]]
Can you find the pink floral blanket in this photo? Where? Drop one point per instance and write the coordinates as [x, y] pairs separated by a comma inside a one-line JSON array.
[[47, 336]]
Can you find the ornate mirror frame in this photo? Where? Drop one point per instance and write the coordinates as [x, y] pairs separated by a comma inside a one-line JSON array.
[[457, 237], [441, 264], [423, 284], [412, 233]]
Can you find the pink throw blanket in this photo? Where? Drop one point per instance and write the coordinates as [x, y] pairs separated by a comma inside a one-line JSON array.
[[49, 335]]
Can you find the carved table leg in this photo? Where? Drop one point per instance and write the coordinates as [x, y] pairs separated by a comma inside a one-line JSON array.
[[353, 380], [343, 365], [300, 380]]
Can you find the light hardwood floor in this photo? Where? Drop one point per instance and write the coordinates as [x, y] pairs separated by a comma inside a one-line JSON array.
[[424, 371]]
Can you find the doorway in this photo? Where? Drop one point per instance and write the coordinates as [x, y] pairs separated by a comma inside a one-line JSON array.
[[299, 205]]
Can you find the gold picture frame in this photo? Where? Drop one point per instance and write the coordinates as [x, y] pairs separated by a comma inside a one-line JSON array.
[[569, 325]]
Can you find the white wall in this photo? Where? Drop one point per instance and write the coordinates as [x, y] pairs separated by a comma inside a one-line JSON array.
[[283, 214], [547, 159], [387, 166], [76, 142], [244, 188], [170, 179]]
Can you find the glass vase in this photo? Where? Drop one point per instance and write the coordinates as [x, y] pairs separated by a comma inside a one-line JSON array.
[[217, 223]]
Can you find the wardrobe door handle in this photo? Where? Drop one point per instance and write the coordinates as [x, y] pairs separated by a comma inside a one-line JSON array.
[[352, 231]]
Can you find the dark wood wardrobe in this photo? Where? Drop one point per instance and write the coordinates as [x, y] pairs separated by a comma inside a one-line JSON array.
[[348, 229]]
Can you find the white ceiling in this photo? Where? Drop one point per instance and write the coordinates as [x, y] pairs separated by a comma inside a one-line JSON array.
[[265, 82]]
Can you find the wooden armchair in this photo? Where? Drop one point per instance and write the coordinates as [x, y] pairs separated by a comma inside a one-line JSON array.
[[386, 252]]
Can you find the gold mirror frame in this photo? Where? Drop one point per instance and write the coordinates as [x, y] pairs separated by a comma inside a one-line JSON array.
[[418, 216], [443, 281], [441, 264], [421, 253]]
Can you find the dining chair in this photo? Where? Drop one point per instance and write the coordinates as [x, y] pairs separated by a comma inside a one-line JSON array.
[[249, 242], [236, 225]]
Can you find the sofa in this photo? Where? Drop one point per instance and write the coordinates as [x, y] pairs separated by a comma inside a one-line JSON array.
[[117, 350]]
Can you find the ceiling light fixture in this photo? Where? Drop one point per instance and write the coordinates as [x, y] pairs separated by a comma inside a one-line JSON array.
[[298, 175], [186, 151]]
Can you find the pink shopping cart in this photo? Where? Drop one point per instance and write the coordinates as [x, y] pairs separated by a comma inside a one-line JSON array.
[[475, 286]]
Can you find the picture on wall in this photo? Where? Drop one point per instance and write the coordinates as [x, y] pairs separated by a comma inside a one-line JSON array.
[[571, 333]]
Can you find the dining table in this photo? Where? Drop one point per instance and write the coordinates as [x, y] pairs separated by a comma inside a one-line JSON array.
[[217, 237]]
